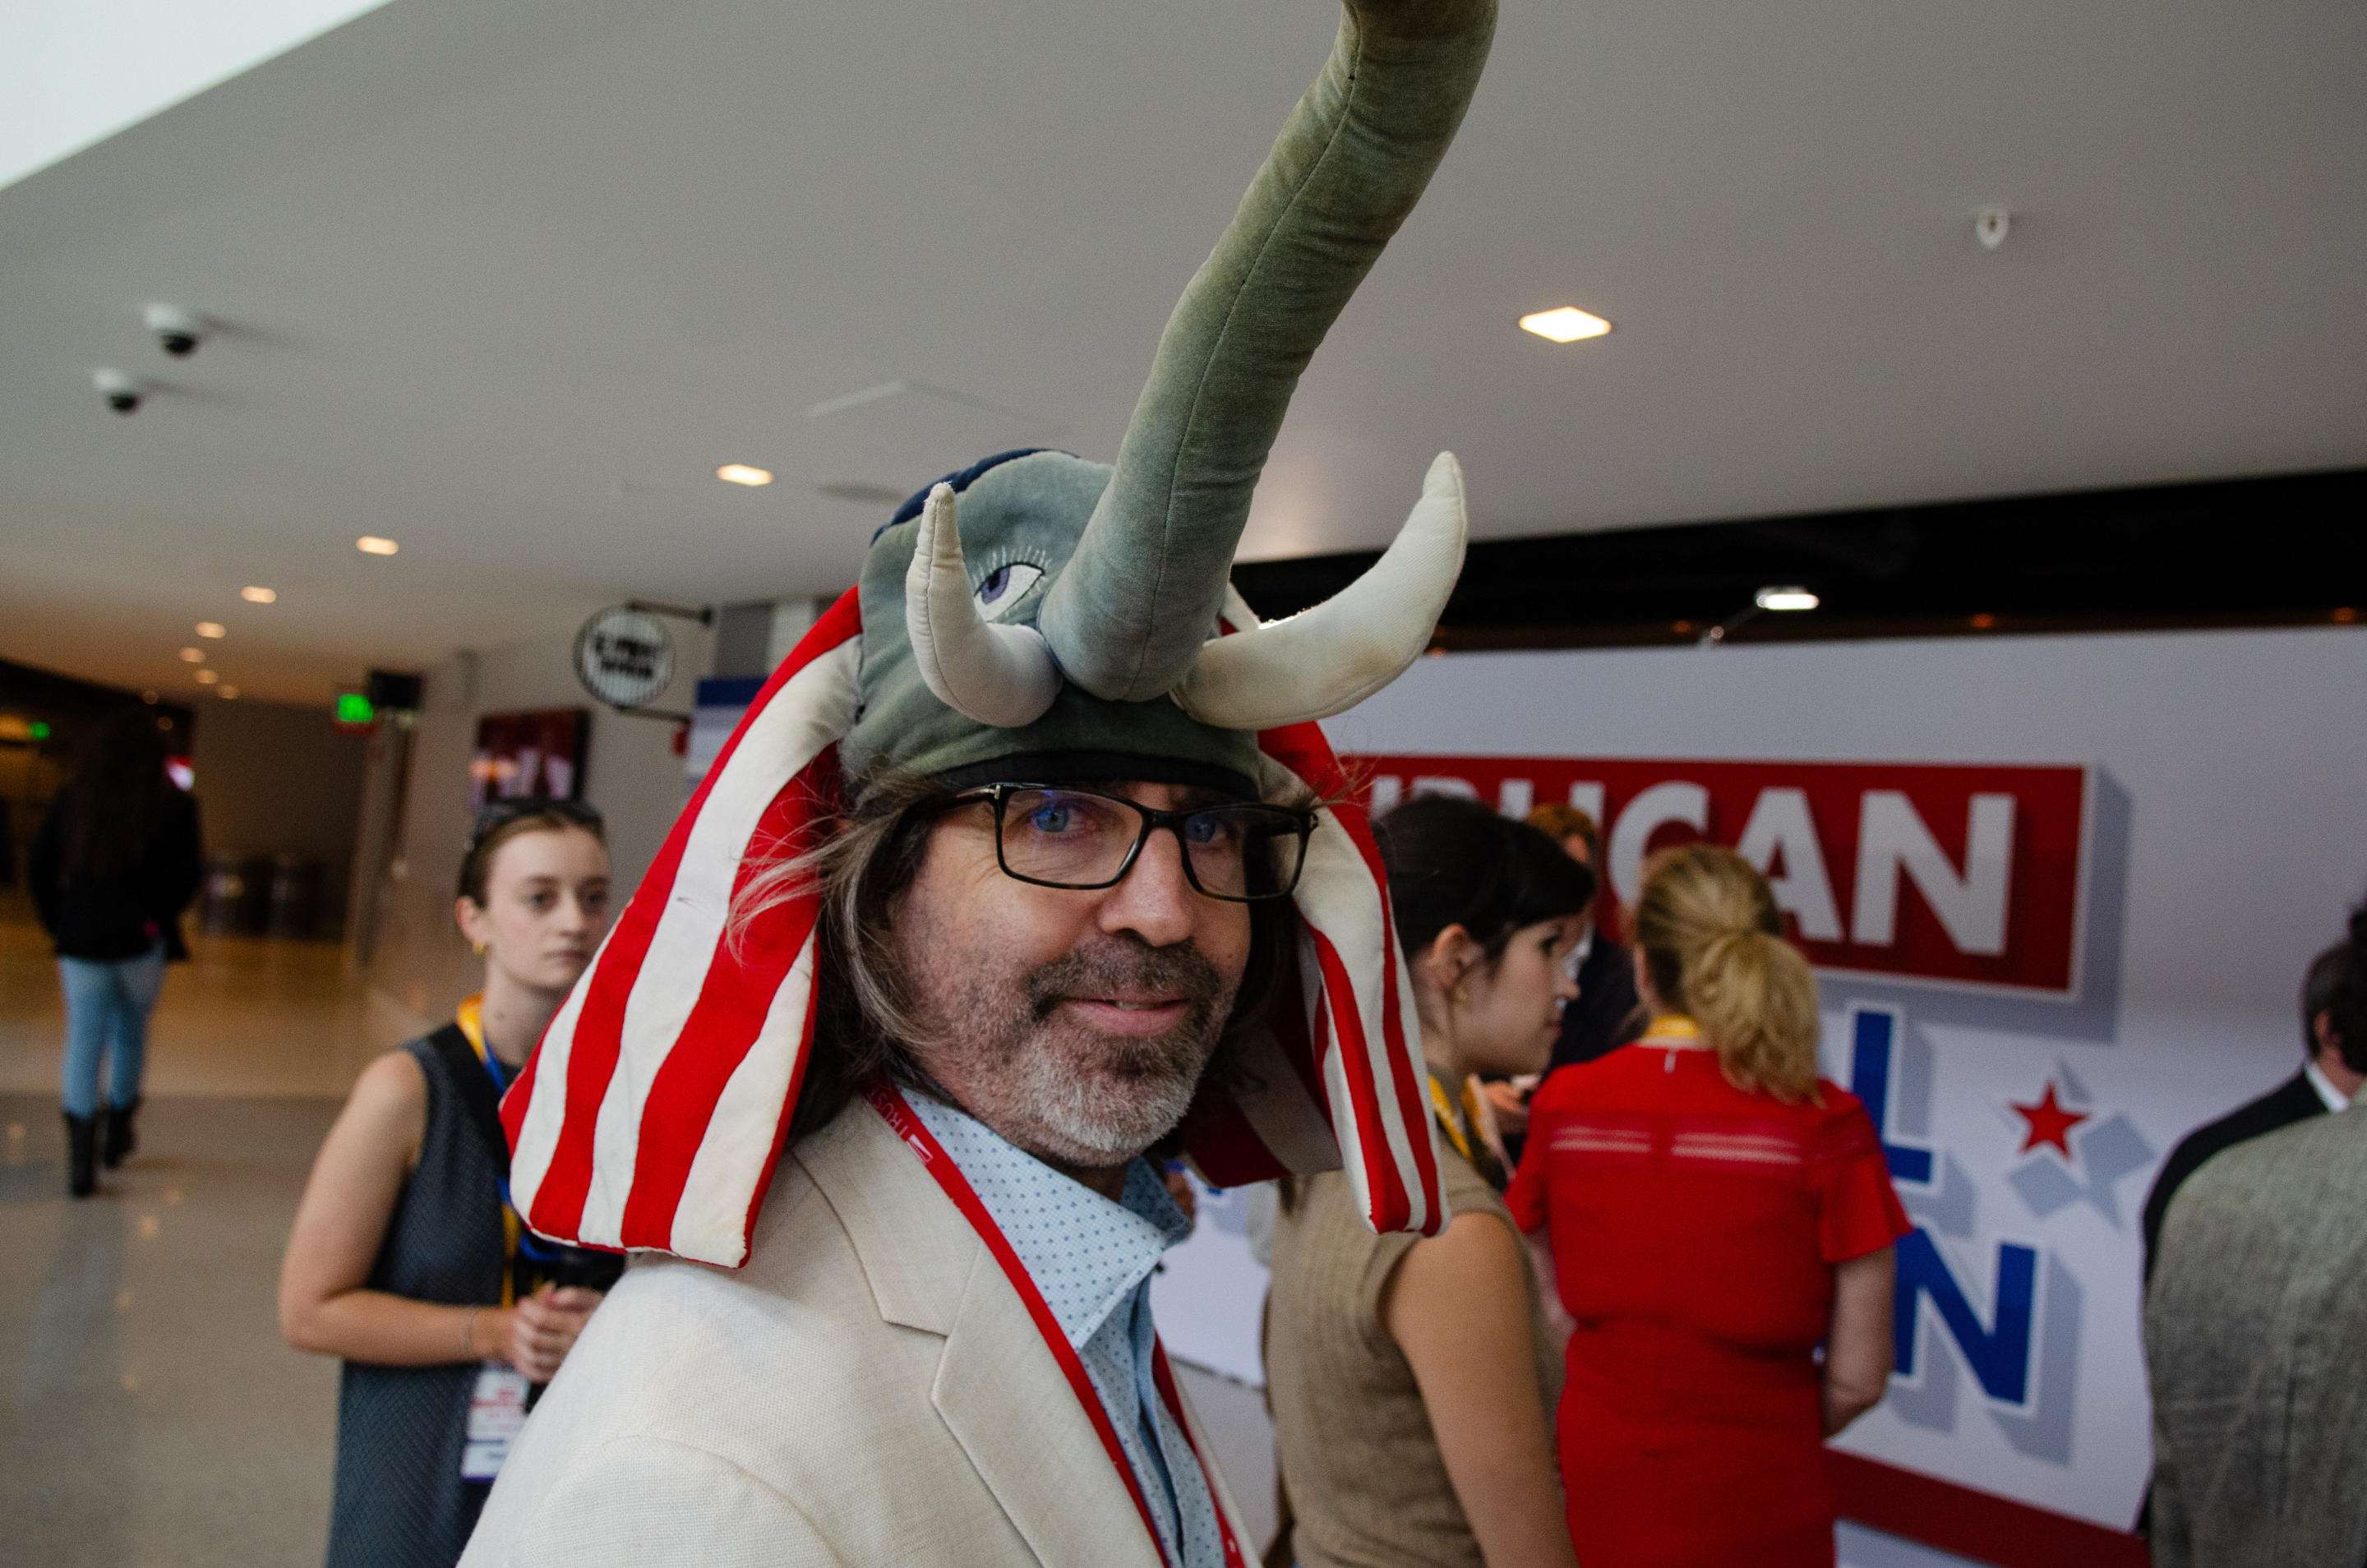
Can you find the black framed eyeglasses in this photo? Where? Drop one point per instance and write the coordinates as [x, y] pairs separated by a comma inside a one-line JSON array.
[[1086, 838]]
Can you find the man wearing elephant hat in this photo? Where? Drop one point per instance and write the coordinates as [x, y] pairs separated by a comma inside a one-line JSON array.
[[1028, 859]]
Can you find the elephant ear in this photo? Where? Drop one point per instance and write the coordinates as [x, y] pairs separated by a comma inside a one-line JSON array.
[[1334, 1080], [652, 1114]]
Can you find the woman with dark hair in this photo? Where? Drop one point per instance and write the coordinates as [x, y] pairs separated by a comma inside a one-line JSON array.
[[407, 1258], [1412, 1379], [1716, 1213], [114, 862]]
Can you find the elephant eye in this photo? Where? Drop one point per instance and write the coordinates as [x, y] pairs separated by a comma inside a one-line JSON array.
[[1005, 586]]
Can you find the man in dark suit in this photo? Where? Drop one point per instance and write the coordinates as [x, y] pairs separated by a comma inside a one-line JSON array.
[[2324, 1083]]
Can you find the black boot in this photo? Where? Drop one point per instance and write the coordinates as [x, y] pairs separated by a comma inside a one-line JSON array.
[[82, 1155], [120, 1140]]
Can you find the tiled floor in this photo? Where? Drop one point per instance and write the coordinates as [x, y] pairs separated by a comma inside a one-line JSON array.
[[245, 1016], [153, 1418]]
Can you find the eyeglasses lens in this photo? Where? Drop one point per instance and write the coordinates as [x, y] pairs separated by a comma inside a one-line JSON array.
[[1074, 839]]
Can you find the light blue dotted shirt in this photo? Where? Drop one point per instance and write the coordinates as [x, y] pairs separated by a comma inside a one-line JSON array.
[[1092, 1261]]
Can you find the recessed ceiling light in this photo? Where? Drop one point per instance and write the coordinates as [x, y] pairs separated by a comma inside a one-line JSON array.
[[253, 595], [372, 545], [1566, 324], [742, 474], [193, 655], [211, 629], [207, 677], [226, 693], [1785, 599]]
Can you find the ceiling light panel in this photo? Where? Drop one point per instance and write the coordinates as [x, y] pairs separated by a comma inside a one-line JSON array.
[[1785, 599], [207, 677], [211, 629], [1566, 323], [742, 474], [372, 545], [253, 595], [193, 655]]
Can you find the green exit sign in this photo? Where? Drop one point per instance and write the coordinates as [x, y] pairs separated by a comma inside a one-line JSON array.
[[355, 708]]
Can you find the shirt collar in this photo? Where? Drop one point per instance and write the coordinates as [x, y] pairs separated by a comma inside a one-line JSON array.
[[1086, 1255], [2335, 1099]]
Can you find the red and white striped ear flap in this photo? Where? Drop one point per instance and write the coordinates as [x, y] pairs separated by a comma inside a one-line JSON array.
[[652, 1115]]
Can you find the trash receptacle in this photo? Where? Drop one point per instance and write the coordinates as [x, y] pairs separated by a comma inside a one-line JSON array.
[[229, 896], [295, 896]]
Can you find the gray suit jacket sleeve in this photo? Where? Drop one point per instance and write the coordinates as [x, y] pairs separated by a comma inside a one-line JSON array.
[[652, 1503], [2256, 1347]]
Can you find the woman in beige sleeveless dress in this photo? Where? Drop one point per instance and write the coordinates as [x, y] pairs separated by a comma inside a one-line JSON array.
[[1412, 1379]]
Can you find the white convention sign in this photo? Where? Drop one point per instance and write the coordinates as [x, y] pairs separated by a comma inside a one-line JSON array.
[[2029, 1075]]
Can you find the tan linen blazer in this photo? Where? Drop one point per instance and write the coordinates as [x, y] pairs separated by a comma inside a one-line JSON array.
[[868, 1390]]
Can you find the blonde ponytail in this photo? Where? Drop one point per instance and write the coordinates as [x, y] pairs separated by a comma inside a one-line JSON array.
[[1711, 936]]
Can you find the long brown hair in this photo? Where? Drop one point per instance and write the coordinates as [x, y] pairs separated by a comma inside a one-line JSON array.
[[1713, 944], [110, 810]]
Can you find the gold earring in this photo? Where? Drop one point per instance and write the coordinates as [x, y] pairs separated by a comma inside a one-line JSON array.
[[478, 947]]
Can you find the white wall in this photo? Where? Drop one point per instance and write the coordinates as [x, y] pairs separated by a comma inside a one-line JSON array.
[[631, 775]]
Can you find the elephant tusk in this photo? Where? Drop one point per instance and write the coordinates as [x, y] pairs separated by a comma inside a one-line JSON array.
[[1327, 659], [997, 674]]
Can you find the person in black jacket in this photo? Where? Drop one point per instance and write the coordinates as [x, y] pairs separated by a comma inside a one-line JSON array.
[[2334, 1035], [114, 862]]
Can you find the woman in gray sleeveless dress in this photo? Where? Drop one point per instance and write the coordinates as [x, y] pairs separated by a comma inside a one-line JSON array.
[[406, 1260]]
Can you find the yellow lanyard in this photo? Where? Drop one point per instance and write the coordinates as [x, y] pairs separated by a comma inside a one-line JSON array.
[[1670, 1029], [472, 1022], [1444, 1107]]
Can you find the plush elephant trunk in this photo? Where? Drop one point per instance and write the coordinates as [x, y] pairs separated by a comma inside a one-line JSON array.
[[1142, 591]]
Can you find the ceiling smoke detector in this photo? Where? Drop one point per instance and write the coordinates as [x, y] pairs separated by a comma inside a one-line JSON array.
[[1990, 226]]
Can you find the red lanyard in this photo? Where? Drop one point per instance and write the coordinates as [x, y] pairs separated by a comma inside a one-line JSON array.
[[897, 1114]]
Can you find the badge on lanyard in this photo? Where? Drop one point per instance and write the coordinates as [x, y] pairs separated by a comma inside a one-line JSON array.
[[496, 1412]]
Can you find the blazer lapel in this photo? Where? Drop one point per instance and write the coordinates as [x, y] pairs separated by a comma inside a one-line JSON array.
[[1009, 1404], [998, 1389]]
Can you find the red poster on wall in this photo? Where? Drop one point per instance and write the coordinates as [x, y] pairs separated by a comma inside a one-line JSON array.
[[1961, 873]]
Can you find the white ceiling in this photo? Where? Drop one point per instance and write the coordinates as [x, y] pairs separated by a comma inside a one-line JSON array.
[[507, 279]]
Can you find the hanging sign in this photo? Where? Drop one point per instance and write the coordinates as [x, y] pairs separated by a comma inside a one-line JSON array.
[[624, 657]]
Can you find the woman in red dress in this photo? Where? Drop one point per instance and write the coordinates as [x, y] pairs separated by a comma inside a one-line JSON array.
[[1716, 1212]]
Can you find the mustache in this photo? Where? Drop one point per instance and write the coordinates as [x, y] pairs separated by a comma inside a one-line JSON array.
[[1127, 964]]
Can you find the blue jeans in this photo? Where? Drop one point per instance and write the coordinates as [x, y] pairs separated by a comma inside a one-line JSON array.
[[106, 1015]]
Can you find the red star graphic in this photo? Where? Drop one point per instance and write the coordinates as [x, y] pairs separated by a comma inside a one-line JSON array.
[[2049, 1122]]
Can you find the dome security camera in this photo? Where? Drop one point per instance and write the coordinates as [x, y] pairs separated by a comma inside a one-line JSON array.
[[122, 393], [178, 332]]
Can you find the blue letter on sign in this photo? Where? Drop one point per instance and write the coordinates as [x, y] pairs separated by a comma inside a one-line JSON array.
[[2000, 1354], [1874, 1034]]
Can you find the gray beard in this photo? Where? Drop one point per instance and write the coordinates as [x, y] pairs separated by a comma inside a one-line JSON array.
[[1063, 1093]]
